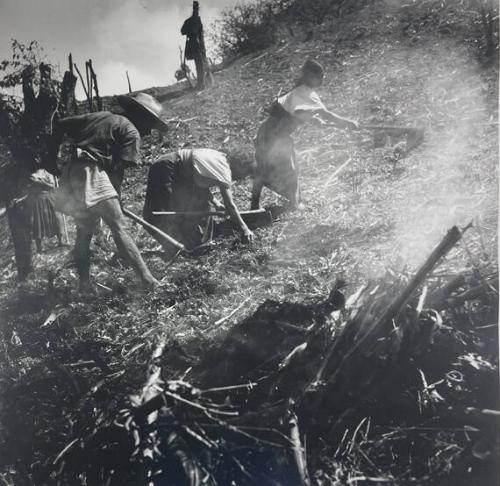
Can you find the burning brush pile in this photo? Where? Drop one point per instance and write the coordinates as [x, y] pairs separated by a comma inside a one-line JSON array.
[[395, 383]]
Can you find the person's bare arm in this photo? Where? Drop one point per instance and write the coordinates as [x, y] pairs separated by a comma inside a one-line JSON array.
[[323, 114], [235, 214], [337, 120]]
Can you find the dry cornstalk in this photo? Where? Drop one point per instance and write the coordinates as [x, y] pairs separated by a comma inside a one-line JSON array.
[[393, 309], [299, 453]]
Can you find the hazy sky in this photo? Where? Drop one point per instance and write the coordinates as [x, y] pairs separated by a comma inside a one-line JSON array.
[[141, 36]]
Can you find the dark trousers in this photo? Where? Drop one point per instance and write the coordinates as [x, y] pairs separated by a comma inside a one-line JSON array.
[[19, 217]]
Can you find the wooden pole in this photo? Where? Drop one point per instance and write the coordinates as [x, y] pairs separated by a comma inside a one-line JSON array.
[[129, 85], [81, 80], [161, 235], [90, 84], [72, 97], [96, 87], [89, 92]]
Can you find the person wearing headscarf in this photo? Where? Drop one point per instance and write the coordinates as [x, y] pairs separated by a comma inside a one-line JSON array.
[[101, 146], [181, 182], [277, 166]]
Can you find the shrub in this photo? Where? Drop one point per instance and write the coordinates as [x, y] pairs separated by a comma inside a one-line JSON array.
[[254, 25], [245, 28]]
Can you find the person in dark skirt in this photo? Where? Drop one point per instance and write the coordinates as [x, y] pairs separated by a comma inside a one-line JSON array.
[[277, 166], [180, 182], [45, 221]]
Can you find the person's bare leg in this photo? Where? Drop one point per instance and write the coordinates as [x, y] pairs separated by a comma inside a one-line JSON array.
[[20, 227], [294, 194], [82, 254], [110, 211], [256, 191], [59, 229]]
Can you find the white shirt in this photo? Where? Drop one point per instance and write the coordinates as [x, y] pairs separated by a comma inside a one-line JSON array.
[[302, 98]]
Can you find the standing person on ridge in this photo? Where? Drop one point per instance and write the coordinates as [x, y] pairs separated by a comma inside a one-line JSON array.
[[277, 166], [195, 44], [102, 145]]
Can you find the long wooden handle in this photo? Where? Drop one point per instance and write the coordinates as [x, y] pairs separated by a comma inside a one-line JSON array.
[[189, 213], [154, 229], [389, 127], [206, 213]]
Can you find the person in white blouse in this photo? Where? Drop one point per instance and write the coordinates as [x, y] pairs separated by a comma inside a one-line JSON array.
[[274, 152]]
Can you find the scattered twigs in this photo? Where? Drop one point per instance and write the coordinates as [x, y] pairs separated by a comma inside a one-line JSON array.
[[65, 450], [57, 312], [247, 386], [218, 322], [299, 452], [337, 171], [255, 59], [150, 389]]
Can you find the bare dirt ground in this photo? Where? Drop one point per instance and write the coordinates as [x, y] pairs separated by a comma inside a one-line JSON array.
[[367, 211]]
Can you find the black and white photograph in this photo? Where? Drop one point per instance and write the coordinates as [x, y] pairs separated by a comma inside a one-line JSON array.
[[249, 243]]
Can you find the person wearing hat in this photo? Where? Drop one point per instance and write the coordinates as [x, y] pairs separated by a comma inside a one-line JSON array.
[[180, 181], [101, 146], [277, 166], [195, 44]]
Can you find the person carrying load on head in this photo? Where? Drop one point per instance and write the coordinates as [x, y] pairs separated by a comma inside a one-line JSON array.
[[277, 166], [180, 182], [102, 145], [195, 44], [45, 221]]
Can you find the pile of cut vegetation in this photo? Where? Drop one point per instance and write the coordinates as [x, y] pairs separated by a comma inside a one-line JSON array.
[[396, 382]]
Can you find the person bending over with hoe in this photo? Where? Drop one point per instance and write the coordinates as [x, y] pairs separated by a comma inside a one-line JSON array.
[[102, 145], [277, 166], [180, 182]]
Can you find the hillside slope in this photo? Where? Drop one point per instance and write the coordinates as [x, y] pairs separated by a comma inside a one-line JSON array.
[[367, 211]]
